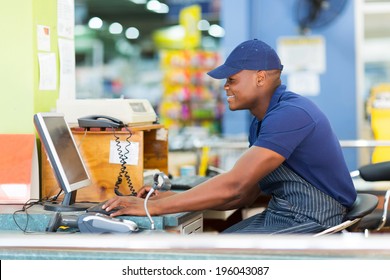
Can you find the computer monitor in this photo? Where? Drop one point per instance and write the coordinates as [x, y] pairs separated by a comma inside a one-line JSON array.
[[65, 159]]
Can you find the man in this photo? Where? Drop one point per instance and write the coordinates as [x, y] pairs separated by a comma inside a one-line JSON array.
[[294, 156]]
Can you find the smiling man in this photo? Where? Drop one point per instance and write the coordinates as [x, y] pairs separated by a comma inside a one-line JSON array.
[[293, 155]]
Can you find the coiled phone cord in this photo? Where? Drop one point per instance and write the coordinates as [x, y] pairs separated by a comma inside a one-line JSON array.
[[123, 160]]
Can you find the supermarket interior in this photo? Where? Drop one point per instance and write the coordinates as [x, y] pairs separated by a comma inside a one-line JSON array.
[[120, 102]]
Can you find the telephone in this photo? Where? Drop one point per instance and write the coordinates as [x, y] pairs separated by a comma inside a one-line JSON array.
[[103, 121], [100, 121]]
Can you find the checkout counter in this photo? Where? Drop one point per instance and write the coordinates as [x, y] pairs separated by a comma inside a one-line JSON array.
[[23, 234], [36, 220]]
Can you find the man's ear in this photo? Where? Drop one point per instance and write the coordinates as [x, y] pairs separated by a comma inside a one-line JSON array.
[[260, 77]]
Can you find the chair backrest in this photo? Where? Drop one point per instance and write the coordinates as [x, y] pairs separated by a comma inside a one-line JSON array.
[[375, 171]]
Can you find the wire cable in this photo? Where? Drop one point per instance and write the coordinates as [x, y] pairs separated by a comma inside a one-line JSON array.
[[152, 226], [25, 206], [123, 160]]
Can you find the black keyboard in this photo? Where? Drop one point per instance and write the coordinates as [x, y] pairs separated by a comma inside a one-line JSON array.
[[187, 182]]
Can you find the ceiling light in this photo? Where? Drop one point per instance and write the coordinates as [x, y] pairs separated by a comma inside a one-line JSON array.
[[138, 1], [203, 25], [95, 23], [132, 33], [157, 7], [153, 5], [216, 31], [115, 28], [164, 9]]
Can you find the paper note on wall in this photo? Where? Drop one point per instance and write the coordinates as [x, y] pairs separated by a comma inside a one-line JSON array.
[[304, 83], [124, 152], [47, 71], [162, 134], [67, 69], [65, 18], [302, 53], [43, 38]]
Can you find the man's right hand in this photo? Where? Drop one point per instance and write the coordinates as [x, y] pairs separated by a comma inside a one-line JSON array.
[[155, 195]]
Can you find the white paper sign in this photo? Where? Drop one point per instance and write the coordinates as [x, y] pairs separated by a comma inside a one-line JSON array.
[[47, 71], [129, 152], [43, 38], [67, 69], [304, 83], [65, 18], [302, 53], [162, 134]]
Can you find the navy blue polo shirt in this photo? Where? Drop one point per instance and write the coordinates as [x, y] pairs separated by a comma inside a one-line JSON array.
[[295, 128]]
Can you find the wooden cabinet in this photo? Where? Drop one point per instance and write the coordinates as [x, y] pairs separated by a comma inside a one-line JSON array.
[[99, 150]]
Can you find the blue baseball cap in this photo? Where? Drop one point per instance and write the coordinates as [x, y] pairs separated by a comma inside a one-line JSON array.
[[249, 55]]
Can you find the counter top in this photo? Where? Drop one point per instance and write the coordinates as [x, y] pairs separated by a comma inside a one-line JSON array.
[[36, 219], [166, 246]]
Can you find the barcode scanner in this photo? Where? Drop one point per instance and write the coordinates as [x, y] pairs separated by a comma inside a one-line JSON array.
[[161, 182]]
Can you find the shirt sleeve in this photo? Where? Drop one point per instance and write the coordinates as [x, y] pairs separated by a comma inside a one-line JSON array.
[[284, 129]]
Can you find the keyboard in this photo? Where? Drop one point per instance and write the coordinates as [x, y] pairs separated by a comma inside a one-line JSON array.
[[98, 209], [187, 182]]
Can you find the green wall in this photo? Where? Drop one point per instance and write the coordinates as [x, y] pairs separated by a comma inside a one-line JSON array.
[[45, 13], [19, 69]]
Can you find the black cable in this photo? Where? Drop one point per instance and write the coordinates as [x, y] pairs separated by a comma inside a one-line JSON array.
[[127, 176], [25, 206], [123, 160], [55, 197]]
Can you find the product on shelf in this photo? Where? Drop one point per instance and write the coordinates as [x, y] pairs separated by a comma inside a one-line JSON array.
[[191, 97]]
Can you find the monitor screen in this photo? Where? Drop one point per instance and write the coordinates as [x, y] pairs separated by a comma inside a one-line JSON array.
[[65, 159]]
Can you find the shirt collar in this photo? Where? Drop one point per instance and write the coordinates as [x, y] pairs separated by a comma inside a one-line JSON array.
[[274, 99], [276, 96]]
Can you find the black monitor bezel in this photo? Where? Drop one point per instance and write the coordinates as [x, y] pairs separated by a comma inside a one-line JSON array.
[[70, 189]]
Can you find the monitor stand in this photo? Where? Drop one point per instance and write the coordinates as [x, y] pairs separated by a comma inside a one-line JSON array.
[[68, 204]]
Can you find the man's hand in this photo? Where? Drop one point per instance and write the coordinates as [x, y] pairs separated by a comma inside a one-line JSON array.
[[144, 191], [155, 195], [131, 205], [125, 205]]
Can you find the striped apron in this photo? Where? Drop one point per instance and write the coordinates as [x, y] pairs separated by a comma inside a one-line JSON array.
[[296, 207]]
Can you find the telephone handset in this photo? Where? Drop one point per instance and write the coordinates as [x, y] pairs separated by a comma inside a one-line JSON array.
[[100, 121]]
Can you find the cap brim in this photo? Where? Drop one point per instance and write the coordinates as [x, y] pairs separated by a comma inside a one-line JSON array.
[[223, 72]]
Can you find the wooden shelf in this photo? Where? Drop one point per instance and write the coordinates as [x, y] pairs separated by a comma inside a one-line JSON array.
[[95, 148]]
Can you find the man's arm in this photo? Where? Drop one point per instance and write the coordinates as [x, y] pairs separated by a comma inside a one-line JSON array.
[[233, 189]]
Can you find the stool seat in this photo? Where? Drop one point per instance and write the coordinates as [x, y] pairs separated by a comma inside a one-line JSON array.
[[376, 220], [364, 204]]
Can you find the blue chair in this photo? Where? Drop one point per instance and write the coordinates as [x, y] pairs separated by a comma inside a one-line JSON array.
[[379, 218]]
